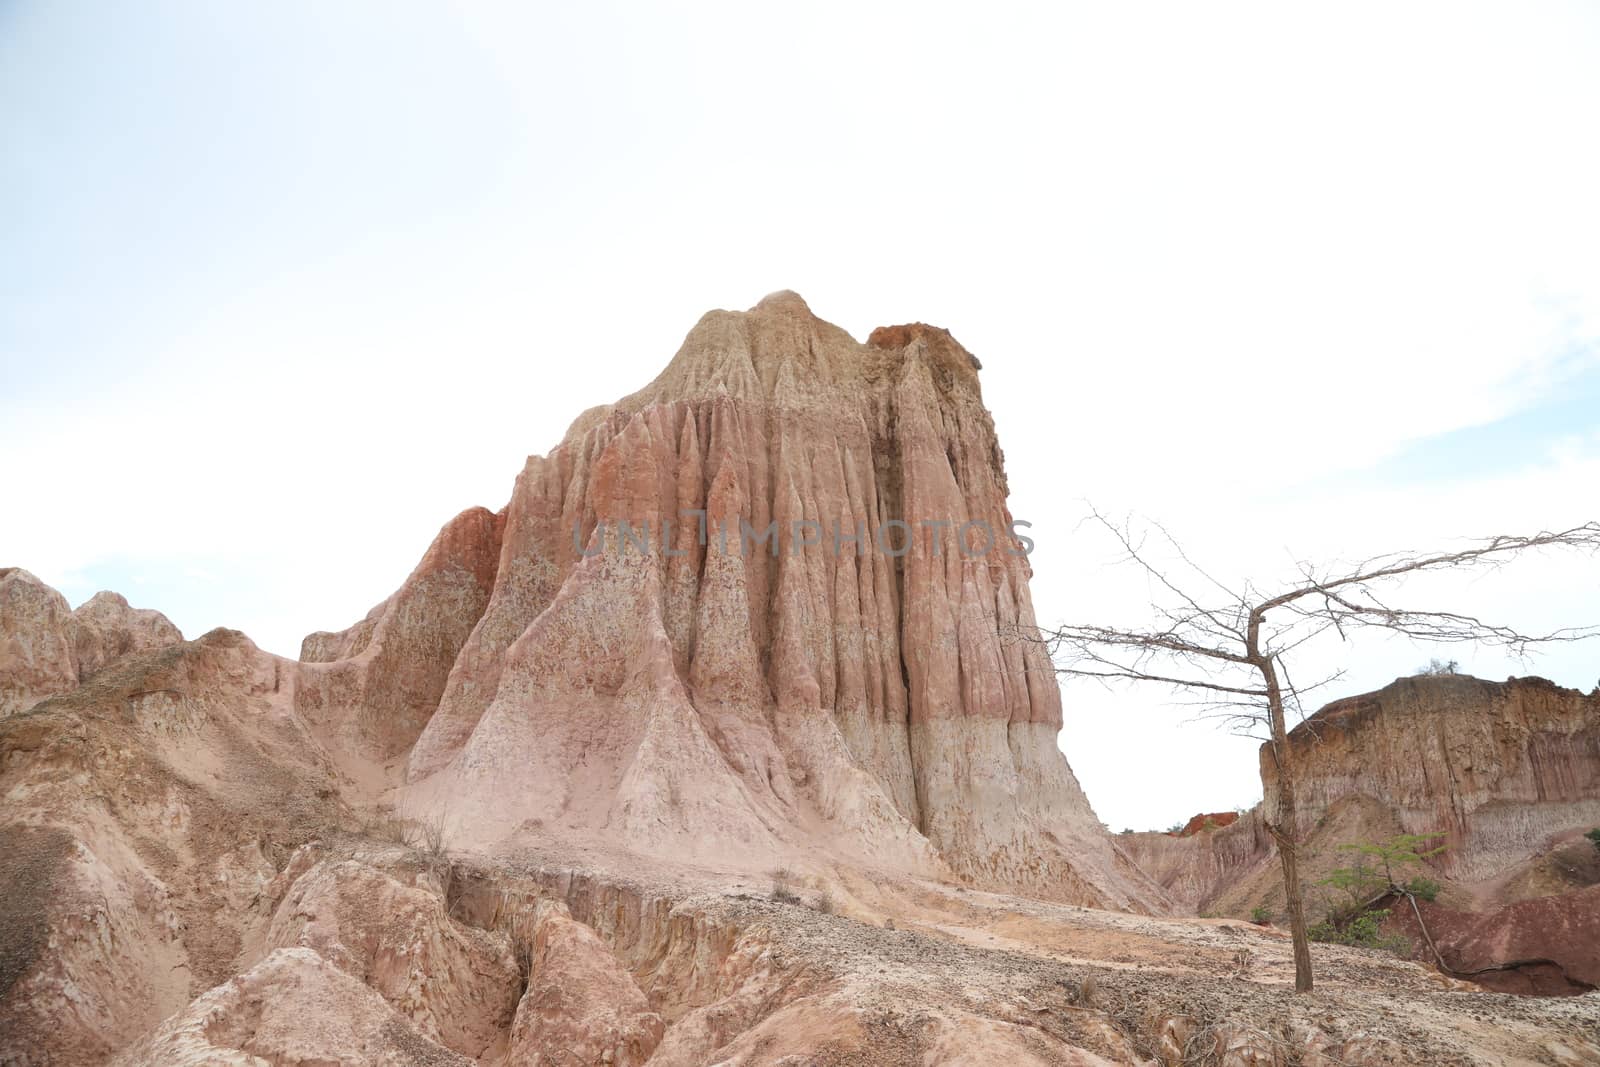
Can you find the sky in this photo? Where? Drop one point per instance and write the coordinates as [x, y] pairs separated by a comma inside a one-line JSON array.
[[283, 287]]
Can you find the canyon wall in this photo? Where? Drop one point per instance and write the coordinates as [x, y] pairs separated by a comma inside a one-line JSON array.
[[1197, 865], [1499, 768], [1508, 773]]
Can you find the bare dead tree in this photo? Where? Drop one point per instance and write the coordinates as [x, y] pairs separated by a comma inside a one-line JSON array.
[[1228, 646]]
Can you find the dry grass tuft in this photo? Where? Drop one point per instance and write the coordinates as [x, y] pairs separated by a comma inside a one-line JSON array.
[[783, 886]]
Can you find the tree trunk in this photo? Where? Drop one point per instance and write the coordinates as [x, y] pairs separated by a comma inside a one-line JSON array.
[[1286, 830]]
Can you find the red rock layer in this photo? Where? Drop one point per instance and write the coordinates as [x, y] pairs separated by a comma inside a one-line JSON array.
[[1548, 945], [1214, 821]]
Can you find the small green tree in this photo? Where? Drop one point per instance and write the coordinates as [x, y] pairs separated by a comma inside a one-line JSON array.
[[1376, 874], [1594, 836], [1391, 858]]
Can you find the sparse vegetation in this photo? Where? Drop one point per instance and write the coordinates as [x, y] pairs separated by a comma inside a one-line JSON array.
[[825, 903], [1594, 837], [783, 887], [425, 839], [1352, 918], [1362, 929], [429, 841], [1440, 666], [385, 826], [1424, 888], [1261, 914], [1403, 850]]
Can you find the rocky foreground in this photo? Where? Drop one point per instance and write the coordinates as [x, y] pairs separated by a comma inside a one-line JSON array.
[[573, 797]]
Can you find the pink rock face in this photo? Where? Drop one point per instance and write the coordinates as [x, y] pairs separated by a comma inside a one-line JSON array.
[[294, 1007], [457, 985], [717, 696], [580, 1005], [1195, 868], [47, 649], [105, 628], [1503, 771], [375, 685], [1559, 935], [36, 658], [133, 813]]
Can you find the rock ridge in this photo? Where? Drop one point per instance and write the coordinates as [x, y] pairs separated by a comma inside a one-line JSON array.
[[46, 648]]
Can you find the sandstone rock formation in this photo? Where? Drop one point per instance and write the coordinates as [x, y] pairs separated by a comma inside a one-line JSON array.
[[1499, 768], [580, 1003], [373, 687], [139, 813], [458, 986], [1542, 945], [292, 1008], [46, 648], [604, 748], [105, 628], [1215, 820], [36, 659], [1504, 771], [1507, 773], [1196, 868], [691, 691]]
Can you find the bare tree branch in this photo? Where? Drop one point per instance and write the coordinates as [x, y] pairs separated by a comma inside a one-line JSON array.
[[1238, 647]]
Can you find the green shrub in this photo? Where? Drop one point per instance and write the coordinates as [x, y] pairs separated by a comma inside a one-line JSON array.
[[1426, 888], [1261, 913], [1378, 870], [1375, 874], [1594, 836], [1361, 930]]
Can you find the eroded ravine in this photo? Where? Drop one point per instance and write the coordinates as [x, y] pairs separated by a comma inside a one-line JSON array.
[[572, 965]]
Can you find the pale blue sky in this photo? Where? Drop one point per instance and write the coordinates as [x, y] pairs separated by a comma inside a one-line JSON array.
[[285, 286]]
